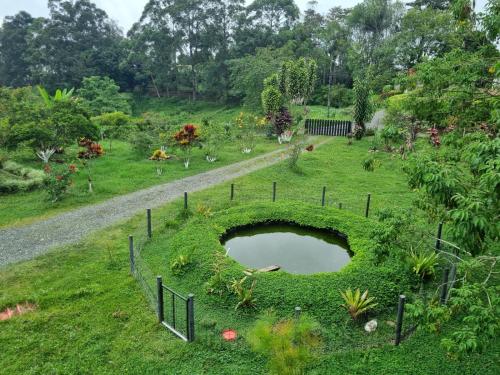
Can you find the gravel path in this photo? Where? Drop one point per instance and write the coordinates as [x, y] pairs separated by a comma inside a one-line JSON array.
[[29, 241]]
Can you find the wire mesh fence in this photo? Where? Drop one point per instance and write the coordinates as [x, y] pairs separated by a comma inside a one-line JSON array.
[[234, 195]]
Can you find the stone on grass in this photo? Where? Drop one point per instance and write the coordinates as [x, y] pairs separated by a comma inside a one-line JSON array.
[[371, 326]]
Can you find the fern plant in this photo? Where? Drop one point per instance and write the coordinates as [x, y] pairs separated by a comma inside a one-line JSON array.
[[357, 304]]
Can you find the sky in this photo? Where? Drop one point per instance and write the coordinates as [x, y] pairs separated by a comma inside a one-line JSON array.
[[126, 12]]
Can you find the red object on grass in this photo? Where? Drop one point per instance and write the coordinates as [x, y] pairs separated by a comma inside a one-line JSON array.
[[20, 309], [229, 334]]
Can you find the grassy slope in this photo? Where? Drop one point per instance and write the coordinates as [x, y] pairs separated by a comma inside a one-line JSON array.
[[93, 318]]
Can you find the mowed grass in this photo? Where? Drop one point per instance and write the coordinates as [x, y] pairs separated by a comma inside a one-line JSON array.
[[121, 170], [93, 318]]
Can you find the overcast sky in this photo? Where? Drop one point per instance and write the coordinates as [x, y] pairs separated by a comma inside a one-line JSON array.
[[126, 12]]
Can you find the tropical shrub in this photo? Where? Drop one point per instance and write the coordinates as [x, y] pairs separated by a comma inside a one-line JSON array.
[[243, 294], [460, 185], [58, 180], [142, 142], [423, 263], [213, 136], [370, 163], [186, 139], [473, 302], [218, 281], [357, 304], [290, 345], [179, 265], [91, 150], [159, 155], [246, 125]]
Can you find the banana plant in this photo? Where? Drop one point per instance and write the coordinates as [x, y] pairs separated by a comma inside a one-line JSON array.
[[59, 96], [356, 303]]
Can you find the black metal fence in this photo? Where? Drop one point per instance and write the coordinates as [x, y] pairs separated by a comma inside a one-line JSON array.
[[180, 311], [328, 127], [176, 311]]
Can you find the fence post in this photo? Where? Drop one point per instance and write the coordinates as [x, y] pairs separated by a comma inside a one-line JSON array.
[[159, 288], [368, 198], [444, 286], [298, 311], [340, 206], [148, 218], [399, 320], [131, 251], [185, 200], [451, 280], [190, 317], [323, 196], [438, 239], [232, 191], [274, 191]]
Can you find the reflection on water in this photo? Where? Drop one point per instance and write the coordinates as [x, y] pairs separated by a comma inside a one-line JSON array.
[[295, 249]]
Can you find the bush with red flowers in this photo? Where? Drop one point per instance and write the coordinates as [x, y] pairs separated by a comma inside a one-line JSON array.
[[58, 180]]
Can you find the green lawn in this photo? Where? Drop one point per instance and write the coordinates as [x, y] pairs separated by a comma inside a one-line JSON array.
[[93, 317], [121, 171]]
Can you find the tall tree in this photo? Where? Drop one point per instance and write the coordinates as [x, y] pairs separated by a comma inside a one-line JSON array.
[[14, 64], [78, 40]]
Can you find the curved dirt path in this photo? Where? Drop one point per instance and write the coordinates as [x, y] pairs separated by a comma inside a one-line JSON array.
[[29, 241]]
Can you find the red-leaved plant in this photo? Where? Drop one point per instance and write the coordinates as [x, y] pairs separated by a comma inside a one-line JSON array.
[[58, 180], [186, 138]]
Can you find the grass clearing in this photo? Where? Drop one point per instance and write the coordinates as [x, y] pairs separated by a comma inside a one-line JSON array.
[[92, 316]]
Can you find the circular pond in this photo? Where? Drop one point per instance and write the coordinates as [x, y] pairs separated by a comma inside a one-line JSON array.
[[294, 249]]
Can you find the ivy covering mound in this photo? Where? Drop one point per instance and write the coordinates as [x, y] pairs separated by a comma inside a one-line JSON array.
[[318, 294]]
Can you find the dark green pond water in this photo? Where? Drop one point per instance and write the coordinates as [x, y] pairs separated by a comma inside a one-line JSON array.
[[295, 249]]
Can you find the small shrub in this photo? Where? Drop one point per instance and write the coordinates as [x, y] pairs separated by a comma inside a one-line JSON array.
[[290, 345], [217, 284], [423, 264], [294, 152], [370, 163], [142, 143], [244, 295], [186, 139], [204, 210], [91, 150], [58, 180], [180, 264], [159, 155], [357, 304]]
